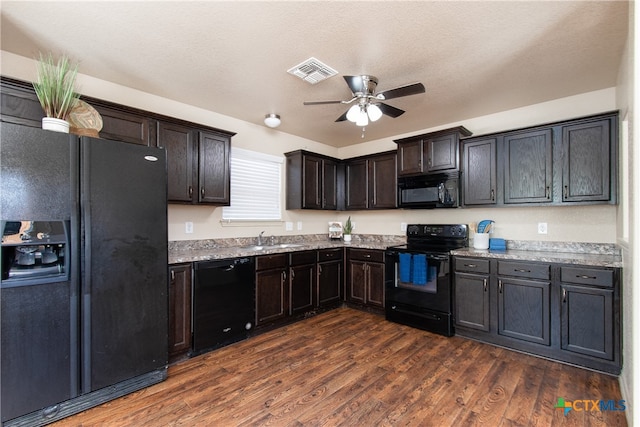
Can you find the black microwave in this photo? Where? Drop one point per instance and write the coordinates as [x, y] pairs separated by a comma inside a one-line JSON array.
[[429, 191]]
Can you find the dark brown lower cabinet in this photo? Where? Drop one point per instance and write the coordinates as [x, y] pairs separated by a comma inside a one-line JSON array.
[[179, 311], [330, 273], [272, 292], [569, 313], [472, 301], [365, 281], [524, 310], [302, 281]]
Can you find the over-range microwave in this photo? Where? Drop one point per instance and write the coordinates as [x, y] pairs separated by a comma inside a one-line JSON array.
[[429, 191]]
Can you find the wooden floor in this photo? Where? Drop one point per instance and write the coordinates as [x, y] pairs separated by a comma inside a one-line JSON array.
[[351, 368]]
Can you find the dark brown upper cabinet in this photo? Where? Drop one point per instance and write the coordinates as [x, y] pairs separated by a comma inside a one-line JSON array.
[[563, 163], [314, 181], [197, 156], [431, 152], [371, 181], [528, 171], [586, 160], [197, 173], [479, 171]]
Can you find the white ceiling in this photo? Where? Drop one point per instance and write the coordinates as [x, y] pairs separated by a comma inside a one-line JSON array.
[[232, 57]]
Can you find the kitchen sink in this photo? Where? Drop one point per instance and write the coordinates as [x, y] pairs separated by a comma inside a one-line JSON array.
[[269, 247]]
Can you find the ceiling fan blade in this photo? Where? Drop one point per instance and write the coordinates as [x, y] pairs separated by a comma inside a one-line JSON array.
[[355, 83], [407, 90], [343, 117], [389, 110], [321, 102]]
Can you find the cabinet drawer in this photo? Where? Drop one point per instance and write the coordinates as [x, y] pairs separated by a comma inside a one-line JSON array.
[[303, 257], [472, 265], [524, 269], [329, 254], [265, 262], [366, 255], [587, 276]]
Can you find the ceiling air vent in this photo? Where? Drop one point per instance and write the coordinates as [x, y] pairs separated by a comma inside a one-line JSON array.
[[312, 71]]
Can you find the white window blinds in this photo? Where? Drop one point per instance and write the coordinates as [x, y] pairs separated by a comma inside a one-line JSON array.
[[255, 187]]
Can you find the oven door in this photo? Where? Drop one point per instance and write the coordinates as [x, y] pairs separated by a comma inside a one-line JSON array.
[[418, 279]]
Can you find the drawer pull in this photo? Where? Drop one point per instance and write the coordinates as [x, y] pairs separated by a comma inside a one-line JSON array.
[[484, 283], [500, 286], [521, 270], [367, 256], [584, 276], [564, 295], [470, 265]]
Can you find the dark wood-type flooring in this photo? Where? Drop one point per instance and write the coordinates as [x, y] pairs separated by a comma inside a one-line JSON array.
[[351, 368]]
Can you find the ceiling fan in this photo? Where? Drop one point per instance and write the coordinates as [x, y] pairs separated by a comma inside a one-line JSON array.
[[369, 104]]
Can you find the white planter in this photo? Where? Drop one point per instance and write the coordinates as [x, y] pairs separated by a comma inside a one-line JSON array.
[[56, 125], [347, 237]]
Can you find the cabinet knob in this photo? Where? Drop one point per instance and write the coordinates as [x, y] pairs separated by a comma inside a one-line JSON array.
[[500, 286], [173, 275], [484, 283], [564, 295], [202, 191], [190, 191]]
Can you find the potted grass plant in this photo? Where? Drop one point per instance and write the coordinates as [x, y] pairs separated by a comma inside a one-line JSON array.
[[55, 88], [347, 229]]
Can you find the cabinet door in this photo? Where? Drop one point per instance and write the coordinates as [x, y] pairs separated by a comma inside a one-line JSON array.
[[329, 282], [213, 169], [441, 153], [356, 187], [179, 309], [472, 301], [410, 157], [383, 185], [271, 296], [302, 280], [587, 321], [312, 182], [528, 168], [586, 162], [375, 285], [178, 141], [128, 127], [524, 310], [479, 177], [329, 185], [357, 282]]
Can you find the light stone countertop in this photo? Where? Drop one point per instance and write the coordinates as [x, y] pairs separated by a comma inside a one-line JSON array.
[[577, 258], [594, 254], [207, 250]]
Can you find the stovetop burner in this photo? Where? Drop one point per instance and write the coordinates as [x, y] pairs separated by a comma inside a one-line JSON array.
[[435, 237]]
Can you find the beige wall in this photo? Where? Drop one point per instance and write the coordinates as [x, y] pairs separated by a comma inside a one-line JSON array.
[[584, 224], [628, 213]]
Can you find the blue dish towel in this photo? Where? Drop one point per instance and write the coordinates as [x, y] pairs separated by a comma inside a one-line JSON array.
[[405, 267], [419, 269], [497, 244]]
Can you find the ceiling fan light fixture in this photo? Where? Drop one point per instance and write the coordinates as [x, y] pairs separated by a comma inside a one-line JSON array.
[[354, 113], [363, 119], [374, 112], [272, 120]]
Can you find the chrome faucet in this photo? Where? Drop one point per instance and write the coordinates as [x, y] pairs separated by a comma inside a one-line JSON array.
[[260, 238]]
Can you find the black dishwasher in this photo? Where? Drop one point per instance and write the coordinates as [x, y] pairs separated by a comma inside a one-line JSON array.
[[223, 302]]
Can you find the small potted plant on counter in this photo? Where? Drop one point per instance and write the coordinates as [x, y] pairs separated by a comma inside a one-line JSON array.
[[55, 88], [347, 229]]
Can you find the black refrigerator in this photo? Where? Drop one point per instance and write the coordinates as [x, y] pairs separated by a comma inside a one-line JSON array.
[[83, 293]]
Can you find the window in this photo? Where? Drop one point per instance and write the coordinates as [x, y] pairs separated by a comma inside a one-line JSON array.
[[255, 187]]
